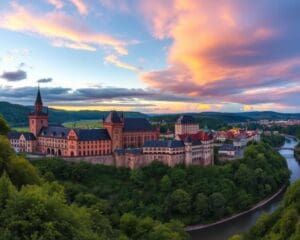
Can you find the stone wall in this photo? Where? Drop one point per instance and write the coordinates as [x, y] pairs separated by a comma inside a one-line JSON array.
[[105, 159]]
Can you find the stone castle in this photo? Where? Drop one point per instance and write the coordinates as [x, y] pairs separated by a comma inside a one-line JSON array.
[[123, 142]]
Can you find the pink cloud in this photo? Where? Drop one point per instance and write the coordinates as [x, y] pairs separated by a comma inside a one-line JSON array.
[[56, 3], [117, 62], [58, 27], [220, 49], [81, 6]]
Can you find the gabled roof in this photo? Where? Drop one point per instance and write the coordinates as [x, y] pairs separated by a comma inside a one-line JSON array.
[[14, 135], [137, 124], [28, 136], [92, 134], [55, 131], [164, 143], [113, 117], [196, 137], [186, 119]]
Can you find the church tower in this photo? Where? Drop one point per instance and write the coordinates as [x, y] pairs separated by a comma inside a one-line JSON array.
[[114, 125], [38, 118]]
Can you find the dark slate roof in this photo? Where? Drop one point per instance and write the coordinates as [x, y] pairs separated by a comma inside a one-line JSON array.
[[55, 131], [164, 143], [227, 147], [38, 99], [186, 119], [113, 117], [92, 134], [137, 124], [28, 136], [14, 135]]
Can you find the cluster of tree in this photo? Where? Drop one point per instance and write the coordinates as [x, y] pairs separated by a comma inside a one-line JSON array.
[[192, 194], [37, 207], [283, 224], [290, 130], [274, 140]]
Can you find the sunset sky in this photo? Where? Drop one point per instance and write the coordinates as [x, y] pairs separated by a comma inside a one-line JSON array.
[[153, 56]]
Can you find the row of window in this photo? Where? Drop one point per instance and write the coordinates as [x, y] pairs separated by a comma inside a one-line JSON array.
[[93, 153]]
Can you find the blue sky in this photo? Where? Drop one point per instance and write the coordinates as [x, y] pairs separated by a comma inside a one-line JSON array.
[[152, 56]]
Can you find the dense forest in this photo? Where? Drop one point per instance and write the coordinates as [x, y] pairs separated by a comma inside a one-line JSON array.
[[282, 224], [191, 194]]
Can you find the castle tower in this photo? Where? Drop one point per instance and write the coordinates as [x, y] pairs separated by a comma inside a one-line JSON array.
[[186, 124], [38, 118], [114, 125]]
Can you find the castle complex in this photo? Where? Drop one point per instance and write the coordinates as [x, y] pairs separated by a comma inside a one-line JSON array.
[[126, 142]]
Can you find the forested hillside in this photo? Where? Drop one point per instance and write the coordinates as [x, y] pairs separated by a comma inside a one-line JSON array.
[[17, 115], [283, 224]]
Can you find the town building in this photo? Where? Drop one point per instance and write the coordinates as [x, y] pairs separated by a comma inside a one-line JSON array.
[[227, 151], [123, 142]]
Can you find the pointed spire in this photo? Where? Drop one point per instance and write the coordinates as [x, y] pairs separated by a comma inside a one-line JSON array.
[[38, 99]]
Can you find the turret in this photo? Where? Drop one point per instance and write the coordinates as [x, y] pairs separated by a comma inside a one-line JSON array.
[[114, 125]]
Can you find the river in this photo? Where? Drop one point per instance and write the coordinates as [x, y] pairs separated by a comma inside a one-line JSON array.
[[243, 223]]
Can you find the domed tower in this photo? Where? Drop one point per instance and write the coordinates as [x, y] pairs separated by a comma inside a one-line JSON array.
[[114, 125], [38, 118]]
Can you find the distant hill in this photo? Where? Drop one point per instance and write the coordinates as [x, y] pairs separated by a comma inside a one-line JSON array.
[[231, 117], [216, 120], [270, 115], [17, 115]]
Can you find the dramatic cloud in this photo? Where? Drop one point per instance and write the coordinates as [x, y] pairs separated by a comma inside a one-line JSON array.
[[44, 80], [81, 6], [224, 50], [88, 96], [56, 3], [62, 30], [14, 76], [116, 61]]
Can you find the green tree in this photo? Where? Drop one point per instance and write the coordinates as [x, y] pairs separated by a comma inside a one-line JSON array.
[[217, 204], [165, 184], [40, 212], [19, 170], [180, 201], [201, 205], [128, 224], [4, 128]]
